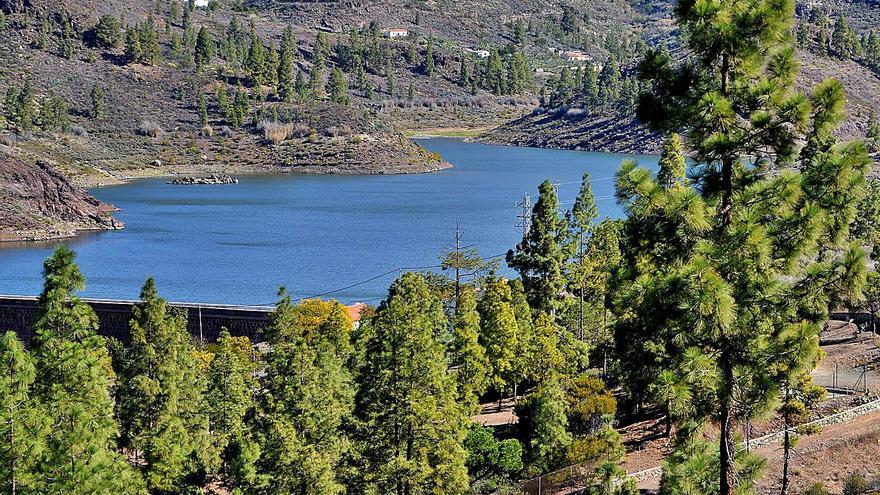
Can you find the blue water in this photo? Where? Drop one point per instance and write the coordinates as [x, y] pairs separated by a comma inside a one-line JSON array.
[[237, 244]]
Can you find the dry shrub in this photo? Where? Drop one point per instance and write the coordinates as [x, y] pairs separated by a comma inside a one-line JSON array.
[[275, 132], [206, 131], [150, 129]]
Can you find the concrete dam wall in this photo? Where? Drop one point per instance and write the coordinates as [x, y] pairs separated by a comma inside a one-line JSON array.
[[204, 321]]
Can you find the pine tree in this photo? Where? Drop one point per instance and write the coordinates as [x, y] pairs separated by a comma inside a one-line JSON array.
[[255, 59], [873, 134], [73, 386], [769, 290], [464, 74], [204, 50], [498, 331], [609, 83], [300, 86], [158, 399], [468, 356], [546, 358], [240, 107], [229, 398], [97, 97], [133, 49], [203, 109], [672, 163], [270, 67], [321, 50], [149, 41], [338, 87], [391, 88], [23, 425], [519, 32], [580, 224], [286, 89], [544, 426], [306, 400], [563, 89], [413, 425], [316, 82], [22, 104], [223, 103], [540, 257], [840, 39], [428, 64], [62, 315], [494, 79], [107, 31], [525, 333], [67, 42]]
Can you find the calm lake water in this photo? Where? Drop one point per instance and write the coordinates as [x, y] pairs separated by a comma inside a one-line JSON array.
[[238, 243]]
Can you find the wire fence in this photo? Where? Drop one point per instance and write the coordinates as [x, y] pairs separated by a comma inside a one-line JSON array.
[[565, 480]]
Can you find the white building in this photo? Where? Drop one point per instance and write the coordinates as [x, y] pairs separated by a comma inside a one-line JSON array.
[[395, 33], [576, 56], [202, 4], [479, 53]]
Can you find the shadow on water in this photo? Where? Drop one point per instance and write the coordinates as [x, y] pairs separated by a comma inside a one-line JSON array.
[[83, 237]]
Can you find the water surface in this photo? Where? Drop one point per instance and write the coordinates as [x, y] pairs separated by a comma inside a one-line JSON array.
[[314, 234]]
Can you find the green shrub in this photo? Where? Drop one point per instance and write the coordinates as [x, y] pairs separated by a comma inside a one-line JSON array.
[[855, 484], [817, 489]]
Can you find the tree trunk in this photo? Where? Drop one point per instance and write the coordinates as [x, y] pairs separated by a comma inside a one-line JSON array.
[[786, 451], [725, 437], [14, 455]]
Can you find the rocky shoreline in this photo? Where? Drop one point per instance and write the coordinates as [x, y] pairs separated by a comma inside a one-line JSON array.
[[38, 203]]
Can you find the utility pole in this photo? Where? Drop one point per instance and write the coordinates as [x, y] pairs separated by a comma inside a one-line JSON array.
[[457, 262], [524, 223]]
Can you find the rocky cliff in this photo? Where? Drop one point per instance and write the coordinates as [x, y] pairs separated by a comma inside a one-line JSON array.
[[37, 202]]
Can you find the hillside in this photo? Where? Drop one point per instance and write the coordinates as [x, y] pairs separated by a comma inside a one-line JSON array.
[[579, 129], [576, 121], [151, 123]]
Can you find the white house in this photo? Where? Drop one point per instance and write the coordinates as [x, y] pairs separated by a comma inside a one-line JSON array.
[[479, 53], [576, 56], [395, 33], [202, 4]]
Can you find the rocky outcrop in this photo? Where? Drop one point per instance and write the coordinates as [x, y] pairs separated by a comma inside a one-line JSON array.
[[37, 202], [211, 179]]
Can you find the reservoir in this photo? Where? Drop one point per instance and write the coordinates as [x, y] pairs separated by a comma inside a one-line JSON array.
[[344, 237]]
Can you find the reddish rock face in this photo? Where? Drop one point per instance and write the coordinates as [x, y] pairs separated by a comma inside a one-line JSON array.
[[38, 202]]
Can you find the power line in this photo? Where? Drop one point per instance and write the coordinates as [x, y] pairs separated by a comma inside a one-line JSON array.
[[389, 272], [610, 177]]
